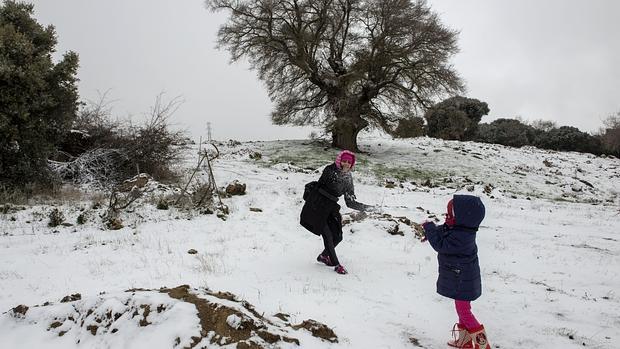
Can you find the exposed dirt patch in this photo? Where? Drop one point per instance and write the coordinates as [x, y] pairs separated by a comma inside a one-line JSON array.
[[282, 316], [224, 295], [92, 329], [318, 330], [147, 311], [213, 318], [55, 324]]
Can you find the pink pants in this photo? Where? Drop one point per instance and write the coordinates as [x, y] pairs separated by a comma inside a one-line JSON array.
[[466, 318]]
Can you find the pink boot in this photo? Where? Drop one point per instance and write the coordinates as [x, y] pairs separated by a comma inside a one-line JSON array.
[[325, 260], [479, 338], [340, 269]]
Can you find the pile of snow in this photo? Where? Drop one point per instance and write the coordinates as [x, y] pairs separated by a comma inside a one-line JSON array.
[[165, 318]]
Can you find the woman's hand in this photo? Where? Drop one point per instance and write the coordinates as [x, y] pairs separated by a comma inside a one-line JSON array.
[[372, 208]]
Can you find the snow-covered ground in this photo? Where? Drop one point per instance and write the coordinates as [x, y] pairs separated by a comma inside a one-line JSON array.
[[549, 249]]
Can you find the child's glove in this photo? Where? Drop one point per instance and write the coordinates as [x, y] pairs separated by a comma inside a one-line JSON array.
[[424, 225]]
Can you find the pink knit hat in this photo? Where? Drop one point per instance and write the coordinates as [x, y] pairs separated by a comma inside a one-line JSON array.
[[347, 156]]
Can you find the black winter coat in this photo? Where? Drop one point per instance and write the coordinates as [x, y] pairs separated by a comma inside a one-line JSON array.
[[321, 205], [457, 253]]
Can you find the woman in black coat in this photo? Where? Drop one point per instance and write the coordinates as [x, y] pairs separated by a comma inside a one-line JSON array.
[[321, 212]]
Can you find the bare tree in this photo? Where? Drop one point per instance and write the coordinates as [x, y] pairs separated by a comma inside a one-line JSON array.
[[343, 64], [102, 150], [610, 134], [543, 125]]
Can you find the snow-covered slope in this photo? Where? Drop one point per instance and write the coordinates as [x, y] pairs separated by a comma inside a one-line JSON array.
[[549, 250]]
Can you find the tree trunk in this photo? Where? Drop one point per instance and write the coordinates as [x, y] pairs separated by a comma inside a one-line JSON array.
[[345, 131]]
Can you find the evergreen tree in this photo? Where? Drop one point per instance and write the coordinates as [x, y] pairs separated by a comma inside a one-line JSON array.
[[38, 99]]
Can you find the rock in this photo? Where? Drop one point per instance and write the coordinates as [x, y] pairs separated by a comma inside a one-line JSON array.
[[138, 181], [404, 220], [20, 309], [72, 298], [255, 209], [318, 330], [115, 224], [192, 251], [390, 184], [395, 230], [235, 188]]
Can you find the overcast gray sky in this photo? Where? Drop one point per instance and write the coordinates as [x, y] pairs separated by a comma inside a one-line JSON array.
[[538, 59]]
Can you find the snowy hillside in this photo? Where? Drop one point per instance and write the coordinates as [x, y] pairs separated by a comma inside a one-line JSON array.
[[549, 250]]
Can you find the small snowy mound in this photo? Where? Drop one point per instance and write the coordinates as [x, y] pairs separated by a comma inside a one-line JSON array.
[[167, 318]]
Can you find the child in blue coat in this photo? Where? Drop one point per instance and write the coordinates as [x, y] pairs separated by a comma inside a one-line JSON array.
[[459, 271]]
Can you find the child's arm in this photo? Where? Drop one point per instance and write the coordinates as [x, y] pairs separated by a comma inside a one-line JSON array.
[[440, 239]]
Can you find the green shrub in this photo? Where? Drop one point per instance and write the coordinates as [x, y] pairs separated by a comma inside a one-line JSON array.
[[509, 132], [455, 118], [567, 138]]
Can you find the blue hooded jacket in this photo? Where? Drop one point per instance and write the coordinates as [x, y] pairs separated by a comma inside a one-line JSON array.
[[457, 253]]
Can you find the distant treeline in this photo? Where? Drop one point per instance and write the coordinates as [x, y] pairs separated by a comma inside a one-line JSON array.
[[458, 118]]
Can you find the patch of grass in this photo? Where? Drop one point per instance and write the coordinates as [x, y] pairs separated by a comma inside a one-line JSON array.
[[409, 173], [561, 199], [54, 194], [12, 196], [300, 161], [304, 156]]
